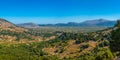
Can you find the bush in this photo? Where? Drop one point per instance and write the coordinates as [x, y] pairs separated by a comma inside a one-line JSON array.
[[82, 47], [115, 42], [104, 54]]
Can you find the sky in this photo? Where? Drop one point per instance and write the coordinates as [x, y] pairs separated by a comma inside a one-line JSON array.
[[58, 11]]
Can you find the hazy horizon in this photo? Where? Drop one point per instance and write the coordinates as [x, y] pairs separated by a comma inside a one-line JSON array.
[[37, 20]]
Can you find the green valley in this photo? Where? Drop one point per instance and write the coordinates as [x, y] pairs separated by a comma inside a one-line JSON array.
[[17, 43]]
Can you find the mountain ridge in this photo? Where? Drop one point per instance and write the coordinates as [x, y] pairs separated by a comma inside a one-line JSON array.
[[28, 25], [89, 23], [5, 23], [10, 32]]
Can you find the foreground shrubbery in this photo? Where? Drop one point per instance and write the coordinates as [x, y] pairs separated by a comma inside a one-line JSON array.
[[96, 54], [115, 42], [34, 51], [24, 52]]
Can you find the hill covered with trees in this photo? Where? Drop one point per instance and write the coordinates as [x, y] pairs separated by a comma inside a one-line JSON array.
[[18, 43]]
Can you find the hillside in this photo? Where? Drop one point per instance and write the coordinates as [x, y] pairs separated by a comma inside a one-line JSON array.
[[32, 44], [5, 24], [9, 32]]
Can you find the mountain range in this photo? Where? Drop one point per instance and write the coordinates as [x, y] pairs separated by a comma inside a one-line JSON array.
[[88, 23], [29, 25]]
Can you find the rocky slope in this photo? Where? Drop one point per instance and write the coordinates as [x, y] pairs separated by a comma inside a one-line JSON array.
[[9, 32]]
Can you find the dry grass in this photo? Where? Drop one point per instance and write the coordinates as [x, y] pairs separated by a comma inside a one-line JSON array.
[[72, 49]]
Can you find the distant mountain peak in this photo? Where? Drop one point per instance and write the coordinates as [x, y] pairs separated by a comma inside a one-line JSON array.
[[98, 20], [88, 23], [101, 19], [29, 25]]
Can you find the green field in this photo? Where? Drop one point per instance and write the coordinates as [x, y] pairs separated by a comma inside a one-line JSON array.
[[70, 29]]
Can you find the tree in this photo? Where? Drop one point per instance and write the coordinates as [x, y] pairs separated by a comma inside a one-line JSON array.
[[115, 42], [118, 23]]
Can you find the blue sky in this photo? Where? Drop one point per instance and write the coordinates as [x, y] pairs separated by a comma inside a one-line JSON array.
[[58, 11]]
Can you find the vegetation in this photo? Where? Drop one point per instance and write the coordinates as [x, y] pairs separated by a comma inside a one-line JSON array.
[[18, 35], [69, 29], [118, 24], [115, 42], [24, 52], [67, 44], [37, 51]]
